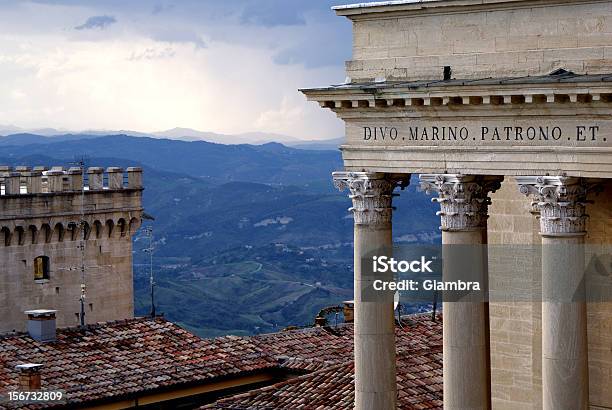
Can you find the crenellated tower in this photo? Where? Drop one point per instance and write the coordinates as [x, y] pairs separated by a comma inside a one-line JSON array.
[[56, 222]]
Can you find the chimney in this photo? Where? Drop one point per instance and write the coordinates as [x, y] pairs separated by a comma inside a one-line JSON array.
[[349, 306], [29, 376], [41, 324]]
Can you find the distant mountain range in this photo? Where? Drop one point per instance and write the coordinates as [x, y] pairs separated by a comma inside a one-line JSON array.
[[270, 163], [248, 238], [183, 134]]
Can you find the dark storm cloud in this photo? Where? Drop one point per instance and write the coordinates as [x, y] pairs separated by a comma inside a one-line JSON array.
[[315, 57], [315, 20], [325, 40], [303, 32], [270, 13], [160, 8], [97, 22], [316, 50]]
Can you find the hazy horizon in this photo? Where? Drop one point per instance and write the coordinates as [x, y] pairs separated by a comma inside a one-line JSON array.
[[177, 133]]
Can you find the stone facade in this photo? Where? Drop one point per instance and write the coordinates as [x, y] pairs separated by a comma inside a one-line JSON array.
[[516, 334], [465, 90], [48, 213], [599, 232], [516, 328], [479, 39]]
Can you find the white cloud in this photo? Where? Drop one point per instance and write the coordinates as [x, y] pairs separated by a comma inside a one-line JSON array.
[[153, 53], [296, 117], [282, 220], [132, 77]]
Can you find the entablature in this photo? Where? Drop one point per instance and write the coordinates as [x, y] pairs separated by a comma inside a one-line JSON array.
[[556, 124]]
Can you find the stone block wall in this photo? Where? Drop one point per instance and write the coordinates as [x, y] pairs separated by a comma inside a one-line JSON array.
[[599, 315], [480, 39], [516, 326], [516, 334], [41, 215]]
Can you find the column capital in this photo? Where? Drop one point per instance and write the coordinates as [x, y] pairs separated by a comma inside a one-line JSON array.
[[561, 201], [463, 199], [371, 193]]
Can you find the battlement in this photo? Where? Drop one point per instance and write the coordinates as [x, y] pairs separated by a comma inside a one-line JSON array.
[[24, 180], [59, 202]]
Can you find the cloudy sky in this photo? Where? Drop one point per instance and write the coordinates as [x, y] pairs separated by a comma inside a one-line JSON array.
[[223, 66]]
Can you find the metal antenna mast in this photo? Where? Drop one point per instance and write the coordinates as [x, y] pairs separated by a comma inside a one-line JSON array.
[[435, 306], [149, 234], [82, 224]]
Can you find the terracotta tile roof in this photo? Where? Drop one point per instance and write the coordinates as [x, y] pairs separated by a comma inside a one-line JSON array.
[[331, 381], [112, 360], [419, 382], [335, 344], [419, 379], [123, 357], [329, 387], [317, 343]]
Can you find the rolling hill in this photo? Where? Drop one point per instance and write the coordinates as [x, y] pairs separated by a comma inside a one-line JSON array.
[[248, 238]]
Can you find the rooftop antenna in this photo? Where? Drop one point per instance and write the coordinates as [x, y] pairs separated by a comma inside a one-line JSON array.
[[82, 224], [398, 306], [435, 306], [149, 234], [83, 243]]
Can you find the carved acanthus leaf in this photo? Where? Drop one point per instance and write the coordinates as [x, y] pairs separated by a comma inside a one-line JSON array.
[[561, 202], [371, 194], [463, 199]]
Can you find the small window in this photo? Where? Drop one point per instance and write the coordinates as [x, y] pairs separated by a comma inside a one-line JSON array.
[[41, 268], [447, 72]]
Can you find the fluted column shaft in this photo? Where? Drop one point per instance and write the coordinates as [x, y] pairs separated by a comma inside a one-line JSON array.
[[374, 326], [466, 353], [561, 202]]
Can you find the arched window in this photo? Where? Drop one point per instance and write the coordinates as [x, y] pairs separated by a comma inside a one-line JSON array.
[[41, 268]]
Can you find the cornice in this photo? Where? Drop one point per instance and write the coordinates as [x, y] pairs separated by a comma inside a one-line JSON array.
[[340, 98], [412, 8]]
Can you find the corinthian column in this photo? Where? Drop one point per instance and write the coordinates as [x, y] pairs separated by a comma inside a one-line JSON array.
[[464, 204], [375, 377], [561, 202]]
